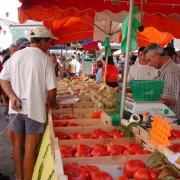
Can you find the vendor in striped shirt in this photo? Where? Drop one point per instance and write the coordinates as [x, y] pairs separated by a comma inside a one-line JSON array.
[[167, 71]]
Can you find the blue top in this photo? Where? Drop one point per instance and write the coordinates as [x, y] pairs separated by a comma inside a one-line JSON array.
[[99, 75]]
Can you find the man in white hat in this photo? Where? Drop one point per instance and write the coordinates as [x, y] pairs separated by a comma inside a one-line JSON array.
[[29, 80]]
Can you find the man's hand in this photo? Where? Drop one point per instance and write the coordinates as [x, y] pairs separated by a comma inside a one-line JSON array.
[[16, 104]]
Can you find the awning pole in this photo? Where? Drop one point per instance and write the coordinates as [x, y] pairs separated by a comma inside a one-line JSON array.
[[127, 59]]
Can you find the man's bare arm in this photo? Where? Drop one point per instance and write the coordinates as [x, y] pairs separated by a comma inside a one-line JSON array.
[[6, 86], [52, 97]]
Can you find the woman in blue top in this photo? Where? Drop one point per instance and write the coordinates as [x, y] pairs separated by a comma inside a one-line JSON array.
[[99, 72]]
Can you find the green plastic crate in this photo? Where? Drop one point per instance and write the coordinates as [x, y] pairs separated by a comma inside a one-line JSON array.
[[150, 90]]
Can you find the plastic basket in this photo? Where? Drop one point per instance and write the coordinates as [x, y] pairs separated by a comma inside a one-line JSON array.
[[147, 90]]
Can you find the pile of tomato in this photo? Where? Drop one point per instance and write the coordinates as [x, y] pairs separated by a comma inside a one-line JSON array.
[[135, 169], [175, 148], [96, 134], [138, 170], [64, 124], [64, 117], [112, 149], [175, 134], [86, 172]]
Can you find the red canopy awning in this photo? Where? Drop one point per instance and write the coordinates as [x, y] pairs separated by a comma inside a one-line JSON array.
[[162, 14], [74, 29], [165, 7]]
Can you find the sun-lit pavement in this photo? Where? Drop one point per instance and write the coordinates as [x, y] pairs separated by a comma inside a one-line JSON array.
[[6, 161]]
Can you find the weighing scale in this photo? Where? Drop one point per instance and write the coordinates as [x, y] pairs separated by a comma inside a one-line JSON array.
[[154, 108]]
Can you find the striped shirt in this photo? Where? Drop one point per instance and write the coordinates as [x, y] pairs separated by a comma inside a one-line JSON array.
[[170, 73]]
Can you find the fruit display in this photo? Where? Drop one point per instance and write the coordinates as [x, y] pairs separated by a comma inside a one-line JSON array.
[[88, 89], [112, 149], [62, 117], [85, 172], [96, 134], [106, 96], [175, 148], [64, 124], [175, 134]]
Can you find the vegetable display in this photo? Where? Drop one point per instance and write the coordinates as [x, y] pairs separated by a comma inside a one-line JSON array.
[[96, 134], [112, 149]]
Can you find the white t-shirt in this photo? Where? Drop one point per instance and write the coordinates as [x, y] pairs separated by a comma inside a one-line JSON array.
[[142, 72], [75, 66], [31, 73]]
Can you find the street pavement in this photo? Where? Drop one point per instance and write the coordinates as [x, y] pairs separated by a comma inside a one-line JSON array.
[[6, 161]]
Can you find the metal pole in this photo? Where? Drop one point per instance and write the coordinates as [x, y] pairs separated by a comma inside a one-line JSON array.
[[127, 59]]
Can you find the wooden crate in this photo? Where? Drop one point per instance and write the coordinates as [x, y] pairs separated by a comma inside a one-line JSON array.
[[92, 142], [146, 138], [85, 129], [80, 122], [82, 112], [111, 164], [106, 119]]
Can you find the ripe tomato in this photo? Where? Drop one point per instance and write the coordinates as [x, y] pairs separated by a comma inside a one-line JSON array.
[[122, 178], [65, 123], [145, 174], [63, 136], [101, 176], [78, 174], [114, 147], [115, 153], [119, 135], [66, 154], [91, 169], [70, 167], [175, 133], [54, 117], [82, 154], [112, 132], [73, 136], [97, 133], [65, 117], [101, 147], [129, 145], [128, 152], [84, 136], [72, 124], [132, 166], [58, 124], [66, 148], [147, 152], [56, 134], [83, 147], [73, 117], [175, 148], [137, 149], [104, 136], [97, 152]]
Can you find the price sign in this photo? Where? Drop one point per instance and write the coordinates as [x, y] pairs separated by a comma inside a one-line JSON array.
[[160, 131]]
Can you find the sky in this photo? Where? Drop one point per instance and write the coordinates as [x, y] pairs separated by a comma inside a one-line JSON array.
[[11, 7]]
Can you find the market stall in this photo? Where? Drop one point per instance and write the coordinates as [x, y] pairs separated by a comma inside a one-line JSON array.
[[85, 142], [85, 138]]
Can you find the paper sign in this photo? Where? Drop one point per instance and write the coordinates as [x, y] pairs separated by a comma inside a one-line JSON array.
[[160, 131], [70, 101]]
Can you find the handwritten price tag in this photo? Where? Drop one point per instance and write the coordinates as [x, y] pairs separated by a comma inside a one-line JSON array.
[[160, 131]]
